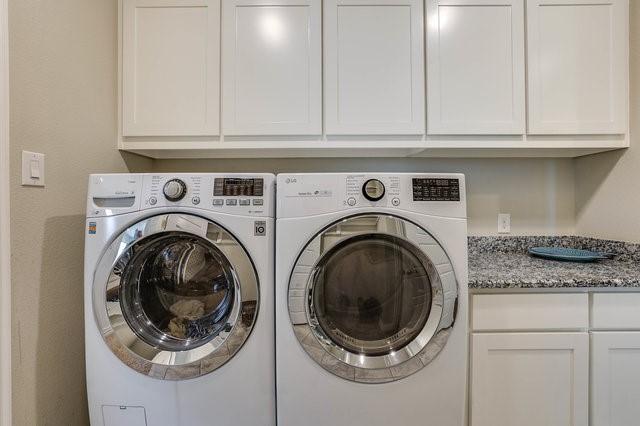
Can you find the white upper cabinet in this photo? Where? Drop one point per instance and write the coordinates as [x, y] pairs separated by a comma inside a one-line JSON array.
[[475, 67], [272, 67], [170, 67], [577, 66], [374, 67], [329, 78]]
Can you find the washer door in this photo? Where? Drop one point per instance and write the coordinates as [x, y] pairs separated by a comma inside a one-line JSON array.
[[372, 298], [175, 296]]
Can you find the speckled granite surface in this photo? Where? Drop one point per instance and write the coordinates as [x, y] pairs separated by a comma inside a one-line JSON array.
[[503, 263]]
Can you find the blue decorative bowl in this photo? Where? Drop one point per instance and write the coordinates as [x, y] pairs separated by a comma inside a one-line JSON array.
[[568, 254]]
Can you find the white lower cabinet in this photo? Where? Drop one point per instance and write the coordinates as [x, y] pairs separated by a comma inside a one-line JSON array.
[[528, 369], [615, 378], [530, 379]]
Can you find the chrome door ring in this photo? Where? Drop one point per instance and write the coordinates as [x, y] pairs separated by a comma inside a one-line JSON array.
[[136, 352], [394, 365]]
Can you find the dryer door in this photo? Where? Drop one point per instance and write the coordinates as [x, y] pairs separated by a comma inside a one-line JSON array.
[[372, 298], [175, 296]]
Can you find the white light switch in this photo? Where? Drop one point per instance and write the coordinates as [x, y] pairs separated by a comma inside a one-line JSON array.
[[504, 223], [35, 169], [32, 169]]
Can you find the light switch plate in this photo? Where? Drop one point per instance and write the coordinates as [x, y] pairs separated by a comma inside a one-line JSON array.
[[32, 169]]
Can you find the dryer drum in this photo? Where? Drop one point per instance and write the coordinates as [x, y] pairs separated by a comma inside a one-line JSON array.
[[372, 294], [373, 298]]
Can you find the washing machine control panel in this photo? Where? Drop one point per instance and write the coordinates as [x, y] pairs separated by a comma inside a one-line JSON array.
[[233, 194]]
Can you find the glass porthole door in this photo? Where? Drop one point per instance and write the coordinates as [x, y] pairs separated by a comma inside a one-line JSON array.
[[373, 298], [175, 296]]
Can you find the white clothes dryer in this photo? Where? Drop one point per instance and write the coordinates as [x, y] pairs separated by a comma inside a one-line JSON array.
[[371, 300]]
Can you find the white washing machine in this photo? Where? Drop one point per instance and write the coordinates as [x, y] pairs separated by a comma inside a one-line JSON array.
[[371, 300], [179, 300]]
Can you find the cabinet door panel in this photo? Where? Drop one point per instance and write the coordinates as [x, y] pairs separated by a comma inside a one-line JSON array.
[[530, 312], [475, 67], [530, 379], [171, 67], [615, 378], [578, 66], [374, 67], [272, 67]]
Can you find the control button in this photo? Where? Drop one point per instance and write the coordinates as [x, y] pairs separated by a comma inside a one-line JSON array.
[[232, 202], [258, 202], [175, 190], [218, 202], [351, 201], [373, 190], [395, 201], [245, 202], [153, 201], [195, 200]]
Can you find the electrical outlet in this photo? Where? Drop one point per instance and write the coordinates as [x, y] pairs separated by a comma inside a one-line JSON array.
[[504, 223]]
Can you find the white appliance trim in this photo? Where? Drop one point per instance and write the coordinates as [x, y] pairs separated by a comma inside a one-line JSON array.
[[5, 259]]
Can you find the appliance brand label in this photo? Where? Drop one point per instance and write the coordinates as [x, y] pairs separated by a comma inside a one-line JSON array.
[[93, 227], [316, 193], [306, 192]]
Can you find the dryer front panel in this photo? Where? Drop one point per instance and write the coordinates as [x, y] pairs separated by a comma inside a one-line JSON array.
[[372, 298], [175, 296]]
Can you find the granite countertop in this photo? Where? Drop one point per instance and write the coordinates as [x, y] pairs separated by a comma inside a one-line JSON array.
[[503, 263]]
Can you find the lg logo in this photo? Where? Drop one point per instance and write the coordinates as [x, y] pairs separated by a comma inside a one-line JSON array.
[[291, 180]]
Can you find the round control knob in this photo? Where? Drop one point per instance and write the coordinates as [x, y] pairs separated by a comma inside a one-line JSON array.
[[175, 190], [396, 202], [351, 201], [373, 190]]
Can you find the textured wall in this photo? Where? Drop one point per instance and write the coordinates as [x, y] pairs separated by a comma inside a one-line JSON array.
[[607, 185], [537, 192], [63, 103]]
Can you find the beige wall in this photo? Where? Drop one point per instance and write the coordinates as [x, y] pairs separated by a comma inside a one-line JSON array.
[[608, 185], [63, 79], [537, 192]]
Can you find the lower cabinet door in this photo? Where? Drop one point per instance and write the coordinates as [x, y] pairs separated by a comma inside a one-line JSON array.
[[615, 393], [530, 379]]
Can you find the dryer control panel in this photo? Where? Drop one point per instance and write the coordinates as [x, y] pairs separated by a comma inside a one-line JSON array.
[[436, 189], [302, 195]]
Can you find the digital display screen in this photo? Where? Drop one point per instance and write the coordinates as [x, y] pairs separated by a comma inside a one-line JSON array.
[[238, 187], [436, 189]]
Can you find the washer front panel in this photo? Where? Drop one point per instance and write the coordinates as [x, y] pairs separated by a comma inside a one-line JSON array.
[[175, 296], [372, 298]]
